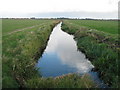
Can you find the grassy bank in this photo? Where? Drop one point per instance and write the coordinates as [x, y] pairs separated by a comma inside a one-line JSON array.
[[100, 44], [21, 49], [65, 81]]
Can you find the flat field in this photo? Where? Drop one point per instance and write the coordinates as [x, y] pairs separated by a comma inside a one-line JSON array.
[[11, 25], [108, 26]]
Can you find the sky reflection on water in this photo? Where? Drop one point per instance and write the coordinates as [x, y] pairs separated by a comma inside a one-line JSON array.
[[61, 56]]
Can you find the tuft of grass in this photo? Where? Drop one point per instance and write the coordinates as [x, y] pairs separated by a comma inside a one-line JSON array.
[[65, 81]]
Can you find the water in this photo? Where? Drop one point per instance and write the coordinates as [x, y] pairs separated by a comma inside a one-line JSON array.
[[62, 57]]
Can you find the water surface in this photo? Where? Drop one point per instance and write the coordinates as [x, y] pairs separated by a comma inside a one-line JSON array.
[[61, 56]]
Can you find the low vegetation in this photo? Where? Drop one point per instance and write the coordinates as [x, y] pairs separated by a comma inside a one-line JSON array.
[[21, 50], [99, 41], [66, 81]]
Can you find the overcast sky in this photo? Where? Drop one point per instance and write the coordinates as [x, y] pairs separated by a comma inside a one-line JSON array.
[[59, 8]]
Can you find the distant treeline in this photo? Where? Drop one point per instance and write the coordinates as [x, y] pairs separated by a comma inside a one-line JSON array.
[[64, 18]]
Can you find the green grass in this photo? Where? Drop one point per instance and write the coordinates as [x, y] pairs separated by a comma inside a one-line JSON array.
[[101, 25], [100, 46], [21, 50], [66, 81], [10, 25]]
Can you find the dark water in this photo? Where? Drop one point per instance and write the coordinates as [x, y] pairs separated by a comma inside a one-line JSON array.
[[62, 57]]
